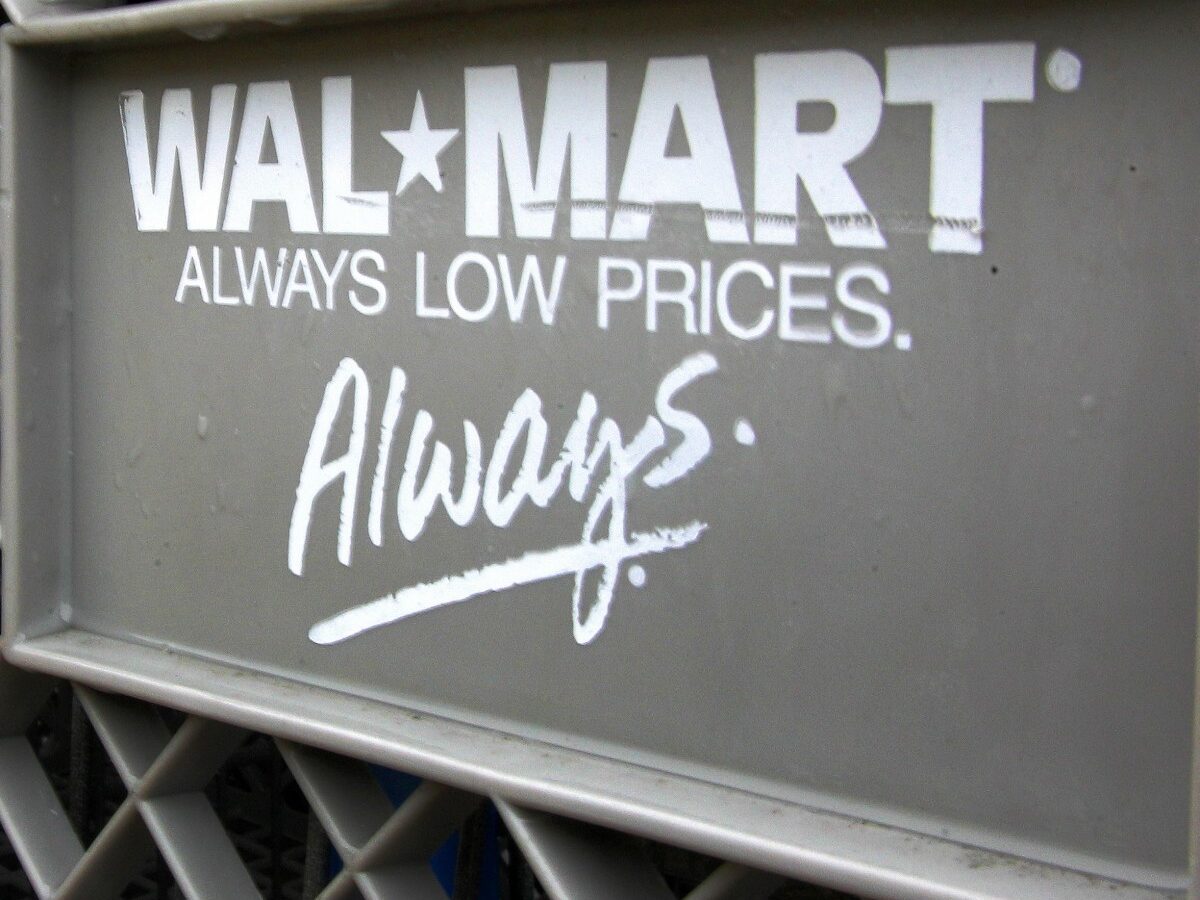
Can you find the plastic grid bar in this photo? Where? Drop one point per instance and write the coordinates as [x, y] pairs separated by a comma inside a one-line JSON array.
[[385, 850]]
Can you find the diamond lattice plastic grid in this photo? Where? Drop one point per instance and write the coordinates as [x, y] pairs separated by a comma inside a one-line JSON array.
[[106, 796]]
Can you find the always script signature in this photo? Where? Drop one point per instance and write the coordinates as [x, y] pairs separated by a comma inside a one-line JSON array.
[[594, 467]]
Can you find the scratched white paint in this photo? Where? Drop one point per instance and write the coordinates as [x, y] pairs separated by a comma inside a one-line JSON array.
[[957, 82], [387, 430], [530, 568], [847, 82], [316, 474], [270, 109], [706, 177], [301, 276], [420, 146], [202, 191], [502, 480], [574, 124], [601, 466], [345, 210], [696, 443], [414, 506]]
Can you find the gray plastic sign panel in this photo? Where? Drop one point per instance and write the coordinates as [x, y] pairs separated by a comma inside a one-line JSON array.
[[796, 405]]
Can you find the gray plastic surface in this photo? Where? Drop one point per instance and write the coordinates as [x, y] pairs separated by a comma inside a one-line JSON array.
[[946, 584]]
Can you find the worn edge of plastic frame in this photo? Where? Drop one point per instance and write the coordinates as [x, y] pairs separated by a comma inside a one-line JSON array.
[[1194, 824], [836, 850], [53, 22]]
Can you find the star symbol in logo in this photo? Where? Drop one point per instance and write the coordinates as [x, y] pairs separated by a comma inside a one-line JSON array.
[[420, 146]]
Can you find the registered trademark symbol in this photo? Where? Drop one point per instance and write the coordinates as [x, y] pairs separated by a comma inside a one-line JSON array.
[[637, 576], [743, 433], [1064, 70]]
